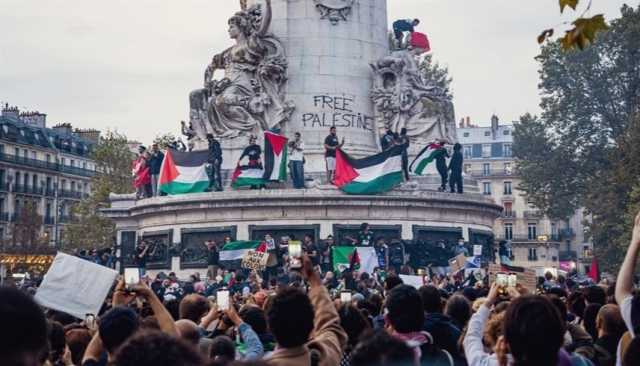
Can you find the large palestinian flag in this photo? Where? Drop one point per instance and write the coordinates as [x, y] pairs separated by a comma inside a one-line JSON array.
[[363, 259], [245, 176], [371, 175], [426, 157], [184, 172], [275, 157], [232, 253]]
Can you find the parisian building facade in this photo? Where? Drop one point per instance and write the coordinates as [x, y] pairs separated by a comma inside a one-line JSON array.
[[536, 241], [48, 168]]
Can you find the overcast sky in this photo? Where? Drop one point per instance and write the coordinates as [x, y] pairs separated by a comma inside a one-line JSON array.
[[130, 64]]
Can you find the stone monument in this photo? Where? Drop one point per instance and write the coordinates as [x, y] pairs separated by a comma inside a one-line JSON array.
[[304, 66]]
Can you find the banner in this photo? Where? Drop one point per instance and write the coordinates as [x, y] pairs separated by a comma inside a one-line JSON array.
[[365, 258], [75, 286]]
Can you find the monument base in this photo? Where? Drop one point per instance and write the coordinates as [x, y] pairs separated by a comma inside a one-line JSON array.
[[177, 226]]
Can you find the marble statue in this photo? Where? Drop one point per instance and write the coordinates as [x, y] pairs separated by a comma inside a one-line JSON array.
[[334, 10], [403, 99], [250, 97]]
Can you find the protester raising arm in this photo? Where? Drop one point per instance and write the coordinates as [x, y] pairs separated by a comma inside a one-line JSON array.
[[254, 348], [473, 346], [328, 335], [121, 297], [624, 283]]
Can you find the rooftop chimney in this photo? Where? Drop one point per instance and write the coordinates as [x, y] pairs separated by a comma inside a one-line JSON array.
[[10, 112], [494, 122], [35, 119], [468, 120], [63, 128], [92, 135]]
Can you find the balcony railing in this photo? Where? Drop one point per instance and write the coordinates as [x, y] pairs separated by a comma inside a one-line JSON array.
[[534, 214], [71, 194], [27, 189], [527, 239], [4, 187], [491, 173], [46, 165], [509, 215], [4, 217]]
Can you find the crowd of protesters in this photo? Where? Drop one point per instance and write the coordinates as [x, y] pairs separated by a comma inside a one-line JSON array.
[[306, 317]]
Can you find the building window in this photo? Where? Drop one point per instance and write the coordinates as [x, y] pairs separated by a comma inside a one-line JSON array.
[[506, 150], [72, 163], [507, 168], [34, 155], [468, 151], [48, 158], [486, 169], [84, 165], [73, 186], [16, 152], [508, 209], [1, 205], [487, 133], [466, 134], [25, 181], [47, 211], [533, 254], [25, 152], [508, 231], [486, 150], [532, 231], [1, 149], [467, 168], [506, 132], [486, 188], [34, 181], [507, 188]]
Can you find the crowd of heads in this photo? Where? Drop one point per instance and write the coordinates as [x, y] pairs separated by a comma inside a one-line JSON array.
[[303, 317]]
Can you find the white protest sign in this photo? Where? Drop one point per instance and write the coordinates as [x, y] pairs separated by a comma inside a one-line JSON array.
[[477, 250], [75, 286], [415, 281]]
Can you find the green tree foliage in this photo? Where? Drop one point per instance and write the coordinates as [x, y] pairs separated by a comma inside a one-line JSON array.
[[436, 74], [164, 141], [113, 165], [589, 100], [25, 230]]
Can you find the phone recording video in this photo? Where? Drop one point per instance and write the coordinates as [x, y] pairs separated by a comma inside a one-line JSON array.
[[295, 255], [131, 277], [222, 300], [345, 297]]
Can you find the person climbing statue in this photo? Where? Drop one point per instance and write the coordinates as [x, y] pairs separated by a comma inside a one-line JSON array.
[[402, 26], [455, 165], [441, 155]]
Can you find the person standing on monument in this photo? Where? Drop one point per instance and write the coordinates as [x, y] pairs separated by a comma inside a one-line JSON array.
[[296, 160], [331, 144], [365, 236], [401, 26], [254, 153], [403, 140], [387, 141], [215, 159], [455, 165], [155, 163], [441, 155]]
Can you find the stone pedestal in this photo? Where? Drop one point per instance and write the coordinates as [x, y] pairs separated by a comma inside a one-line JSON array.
[[329, 77], [180, 224]]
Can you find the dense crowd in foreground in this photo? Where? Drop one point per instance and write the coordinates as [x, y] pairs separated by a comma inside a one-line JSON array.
[[305, 323]]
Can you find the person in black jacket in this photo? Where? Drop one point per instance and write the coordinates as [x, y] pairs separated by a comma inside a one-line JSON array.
[[155, 163], [455, 165], [403, 140], [215, 159], [254, 153], [441, 165]]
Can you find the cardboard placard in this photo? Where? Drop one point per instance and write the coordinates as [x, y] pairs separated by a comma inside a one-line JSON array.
[[415, 281], [477, 250], [457, 263], [255, 260], [75, 286]]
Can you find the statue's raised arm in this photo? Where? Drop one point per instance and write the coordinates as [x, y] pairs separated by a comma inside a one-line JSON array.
[[266, 19]]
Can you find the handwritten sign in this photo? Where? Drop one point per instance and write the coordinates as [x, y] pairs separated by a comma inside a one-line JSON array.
[[336, 111], [255, 260]]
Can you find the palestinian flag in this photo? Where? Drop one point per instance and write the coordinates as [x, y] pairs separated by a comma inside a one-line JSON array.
[[362, 258], [275, 157], [184, 172], [371, 175], [426, 157], [232, 253], [245, 176]]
